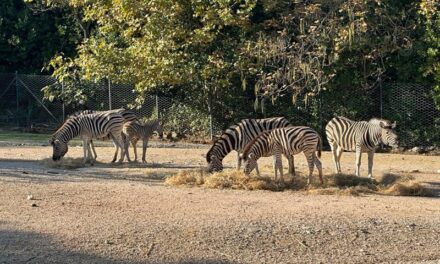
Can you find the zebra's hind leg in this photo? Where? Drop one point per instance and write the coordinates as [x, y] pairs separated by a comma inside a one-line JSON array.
[[126, 145], [318, 165], [291, 165], [133, 144], [334, 148], [339, 151], [90, 156], [116, 152], [358, 161], [310, 156], [85, 149]]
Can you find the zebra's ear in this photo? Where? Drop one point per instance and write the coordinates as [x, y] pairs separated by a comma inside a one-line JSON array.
[[251, 156], [381, 124], [393, 125]]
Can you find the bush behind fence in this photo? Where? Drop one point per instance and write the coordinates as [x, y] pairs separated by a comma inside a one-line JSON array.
[[22, 106]]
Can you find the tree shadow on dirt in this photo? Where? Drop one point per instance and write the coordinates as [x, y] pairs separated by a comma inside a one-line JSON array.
[[29, 170], [31, 247]]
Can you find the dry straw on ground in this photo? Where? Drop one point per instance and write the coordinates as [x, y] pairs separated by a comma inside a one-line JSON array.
[[339, 184], [64, 163]]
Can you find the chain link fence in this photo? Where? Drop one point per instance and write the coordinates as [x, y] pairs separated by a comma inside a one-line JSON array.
[[411, 105]]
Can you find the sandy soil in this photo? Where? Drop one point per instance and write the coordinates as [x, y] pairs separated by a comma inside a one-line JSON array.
[[125, 214]]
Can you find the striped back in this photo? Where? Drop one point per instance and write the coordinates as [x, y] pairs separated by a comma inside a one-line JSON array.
[[238, 136], [92, 126], [350, 135], [128, 115], [144, 131]]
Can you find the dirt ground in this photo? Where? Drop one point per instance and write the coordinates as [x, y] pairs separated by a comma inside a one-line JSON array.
[[125, 214]]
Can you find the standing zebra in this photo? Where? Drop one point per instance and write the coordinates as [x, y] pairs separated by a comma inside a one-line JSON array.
[[287, 141], [128, 116], [237, 136], [88, 127], [134, 131], [345, 134]]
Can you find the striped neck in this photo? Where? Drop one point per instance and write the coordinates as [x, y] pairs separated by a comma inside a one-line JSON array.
[[67, 131], [375, 132]]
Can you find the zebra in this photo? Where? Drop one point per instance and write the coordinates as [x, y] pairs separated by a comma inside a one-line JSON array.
[[237, 136], [287, 141], [360, 136], [88, 127], [128, 115], [133, 131]]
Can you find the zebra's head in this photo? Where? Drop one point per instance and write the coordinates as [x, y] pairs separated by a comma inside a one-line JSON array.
[[214, 164], [250, 162], [389, 136], [59, 149], [159, 128]]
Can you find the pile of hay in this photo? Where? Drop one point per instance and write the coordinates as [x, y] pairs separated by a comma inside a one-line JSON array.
[[229, 179], [336, 184], [64, 163]]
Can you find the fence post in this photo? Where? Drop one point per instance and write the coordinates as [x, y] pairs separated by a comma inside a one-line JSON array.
[[16, 90], [109, 95], [63, 106], [157, 107]]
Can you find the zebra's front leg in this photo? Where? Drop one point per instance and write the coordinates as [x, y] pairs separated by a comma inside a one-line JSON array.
[[274, 165], [85, 148], [257, 170], [126, 145], [335, 157], [280, 167], [90, 155], [133, 144], [358, 161], [93, 149], [116, 152], [144, 150], [370, 164], [238, 160]]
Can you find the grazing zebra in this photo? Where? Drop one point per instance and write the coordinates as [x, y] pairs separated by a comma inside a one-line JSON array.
[[88, 127], [134, 131], [345, 134], [237, 136], [287, 141], [128, 116]]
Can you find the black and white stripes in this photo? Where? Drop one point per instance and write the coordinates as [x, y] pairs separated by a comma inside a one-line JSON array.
[[237, 136], [345, 134], [88, 127], [287, 141]]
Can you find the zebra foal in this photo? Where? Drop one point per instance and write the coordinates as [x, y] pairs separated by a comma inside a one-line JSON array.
[[134, 131], [286, 141], [88, 127], [359, 136], [237, 136]]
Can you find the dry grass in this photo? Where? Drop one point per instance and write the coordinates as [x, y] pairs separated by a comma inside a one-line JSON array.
[[336, 184], [64, 163]]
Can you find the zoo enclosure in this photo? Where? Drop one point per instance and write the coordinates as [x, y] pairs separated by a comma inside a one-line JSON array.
[[22, 106]]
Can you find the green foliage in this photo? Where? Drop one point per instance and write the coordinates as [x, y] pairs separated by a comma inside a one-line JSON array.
[[186, 120]]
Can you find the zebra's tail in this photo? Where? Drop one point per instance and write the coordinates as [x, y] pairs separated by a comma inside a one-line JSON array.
[[319, 147]]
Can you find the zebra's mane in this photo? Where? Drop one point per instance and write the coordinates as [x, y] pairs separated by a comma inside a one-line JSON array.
[[377, 121]]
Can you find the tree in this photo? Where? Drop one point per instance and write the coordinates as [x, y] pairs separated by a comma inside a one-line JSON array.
[[28, 39]]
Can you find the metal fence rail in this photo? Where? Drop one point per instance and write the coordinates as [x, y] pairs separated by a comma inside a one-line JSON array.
[[22, 106]]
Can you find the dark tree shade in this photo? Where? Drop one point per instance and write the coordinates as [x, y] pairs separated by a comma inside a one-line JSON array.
[[29, 39]]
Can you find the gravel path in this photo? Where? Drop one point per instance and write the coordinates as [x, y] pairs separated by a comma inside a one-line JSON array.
[[124, 214]]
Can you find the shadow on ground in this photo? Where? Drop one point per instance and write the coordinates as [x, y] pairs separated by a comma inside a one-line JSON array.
[[31, 247], [29, 170]]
